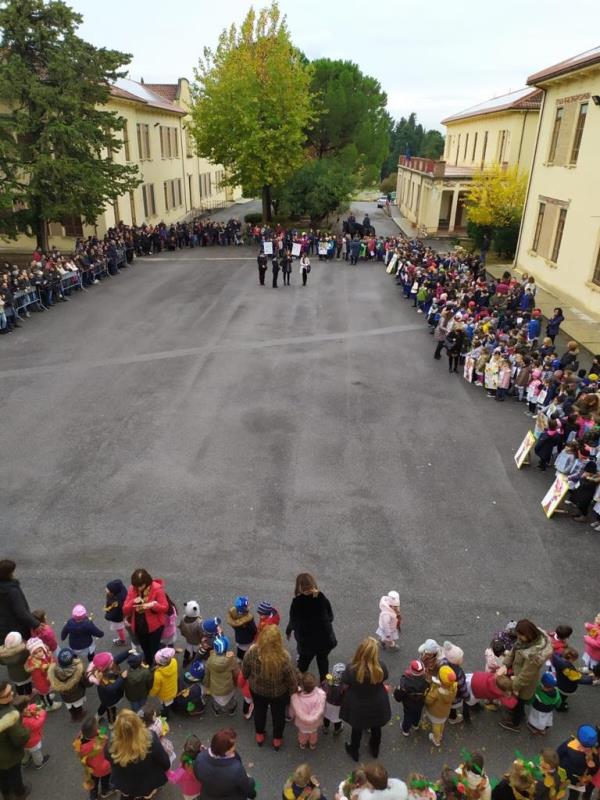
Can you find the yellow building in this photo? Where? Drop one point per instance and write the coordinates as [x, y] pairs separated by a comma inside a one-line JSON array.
[[431, 194], [176, 183], [559, 241]]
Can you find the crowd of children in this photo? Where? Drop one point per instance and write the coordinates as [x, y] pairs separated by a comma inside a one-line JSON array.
[[436, 688], [494, 330]]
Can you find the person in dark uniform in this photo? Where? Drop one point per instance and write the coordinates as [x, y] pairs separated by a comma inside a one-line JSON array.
[[262, 268], [275, 269], [286, 267]]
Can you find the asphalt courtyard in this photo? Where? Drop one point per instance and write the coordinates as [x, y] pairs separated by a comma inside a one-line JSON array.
[[227, 436]]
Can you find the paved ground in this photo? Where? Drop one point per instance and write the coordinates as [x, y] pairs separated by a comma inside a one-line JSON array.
[[227, 436]]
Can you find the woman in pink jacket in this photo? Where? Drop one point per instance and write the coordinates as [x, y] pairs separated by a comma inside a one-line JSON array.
[[145, 609], [307, 707]]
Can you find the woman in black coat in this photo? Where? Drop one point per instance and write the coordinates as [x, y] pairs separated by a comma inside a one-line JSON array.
[[14, 608], [139, 761], [366, 703], [311, 621]]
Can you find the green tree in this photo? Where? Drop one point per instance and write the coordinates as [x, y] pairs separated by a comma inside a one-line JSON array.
[[352, 122], [252, 104], [409, 137], [56, 138], [316, 190]]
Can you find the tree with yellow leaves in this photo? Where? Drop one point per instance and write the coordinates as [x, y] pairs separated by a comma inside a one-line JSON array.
[[495, 204]]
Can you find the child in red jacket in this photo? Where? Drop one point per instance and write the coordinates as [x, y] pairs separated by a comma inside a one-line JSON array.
[[89, 746], [37, 666], [33, 717]]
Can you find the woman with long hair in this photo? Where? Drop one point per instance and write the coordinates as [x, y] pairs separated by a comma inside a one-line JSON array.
[[139, 761], [272, 678], [145, 609], [366, 703], [527, 661], [311, 619]]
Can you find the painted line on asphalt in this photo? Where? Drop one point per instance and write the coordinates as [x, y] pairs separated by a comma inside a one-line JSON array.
[[229, 347]]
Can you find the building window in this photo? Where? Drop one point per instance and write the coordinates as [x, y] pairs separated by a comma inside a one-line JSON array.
[[72, 226], [132, 207], [173, 195], [502, 145], [484, 148], [190, 191], [474, 146], [555, 133], [189, 144], [583, 109], [169, 142], [457, 150], [596, 275], [143, 137], [126, 142], [538, 227], [559, 234], [149, 200], [466, 146], [447, 146]]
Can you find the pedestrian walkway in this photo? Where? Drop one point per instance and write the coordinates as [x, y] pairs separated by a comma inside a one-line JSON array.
[[579, 326]]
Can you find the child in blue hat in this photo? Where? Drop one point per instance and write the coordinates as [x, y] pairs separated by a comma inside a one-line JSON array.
[[242, 621], [544, 701]]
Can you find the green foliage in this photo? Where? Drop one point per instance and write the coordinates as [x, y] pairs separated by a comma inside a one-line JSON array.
[[252, 103], [317, 189], [505, 239], [388, 185], [352, 123], [55, 131], [407, 136]]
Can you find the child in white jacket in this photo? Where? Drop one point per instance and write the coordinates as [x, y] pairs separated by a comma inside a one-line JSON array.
[[389, 620], [307, 707]]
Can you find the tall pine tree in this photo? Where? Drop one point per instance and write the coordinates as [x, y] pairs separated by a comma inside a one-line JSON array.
[[56, 136]]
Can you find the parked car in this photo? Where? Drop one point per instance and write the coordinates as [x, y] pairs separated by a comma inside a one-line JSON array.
[[382, 202]]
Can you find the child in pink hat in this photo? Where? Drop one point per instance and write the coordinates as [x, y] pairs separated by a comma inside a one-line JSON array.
[[37, 665], [105, 673], [81, 632]]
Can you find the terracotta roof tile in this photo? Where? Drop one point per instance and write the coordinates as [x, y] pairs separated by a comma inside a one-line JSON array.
[[166, 90], [142, 93]]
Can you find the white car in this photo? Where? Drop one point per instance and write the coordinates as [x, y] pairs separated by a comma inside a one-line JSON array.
[[382, 202]]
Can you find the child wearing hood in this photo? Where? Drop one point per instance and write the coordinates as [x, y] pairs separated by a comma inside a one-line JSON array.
[[241, 620], [14, 654], [267, 615], [307, 707], [334, 692], [164, 685], [81, 632], [67, 677], [138, 681], [411, 693], [438, 702], [430, 654], [389, 620], [116, 592]]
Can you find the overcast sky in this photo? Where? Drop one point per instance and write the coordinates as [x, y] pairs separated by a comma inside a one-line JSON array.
[[435, 57]]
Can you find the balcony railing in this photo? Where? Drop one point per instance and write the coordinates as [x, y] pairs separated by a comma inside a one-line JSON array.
[[418, 164]]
